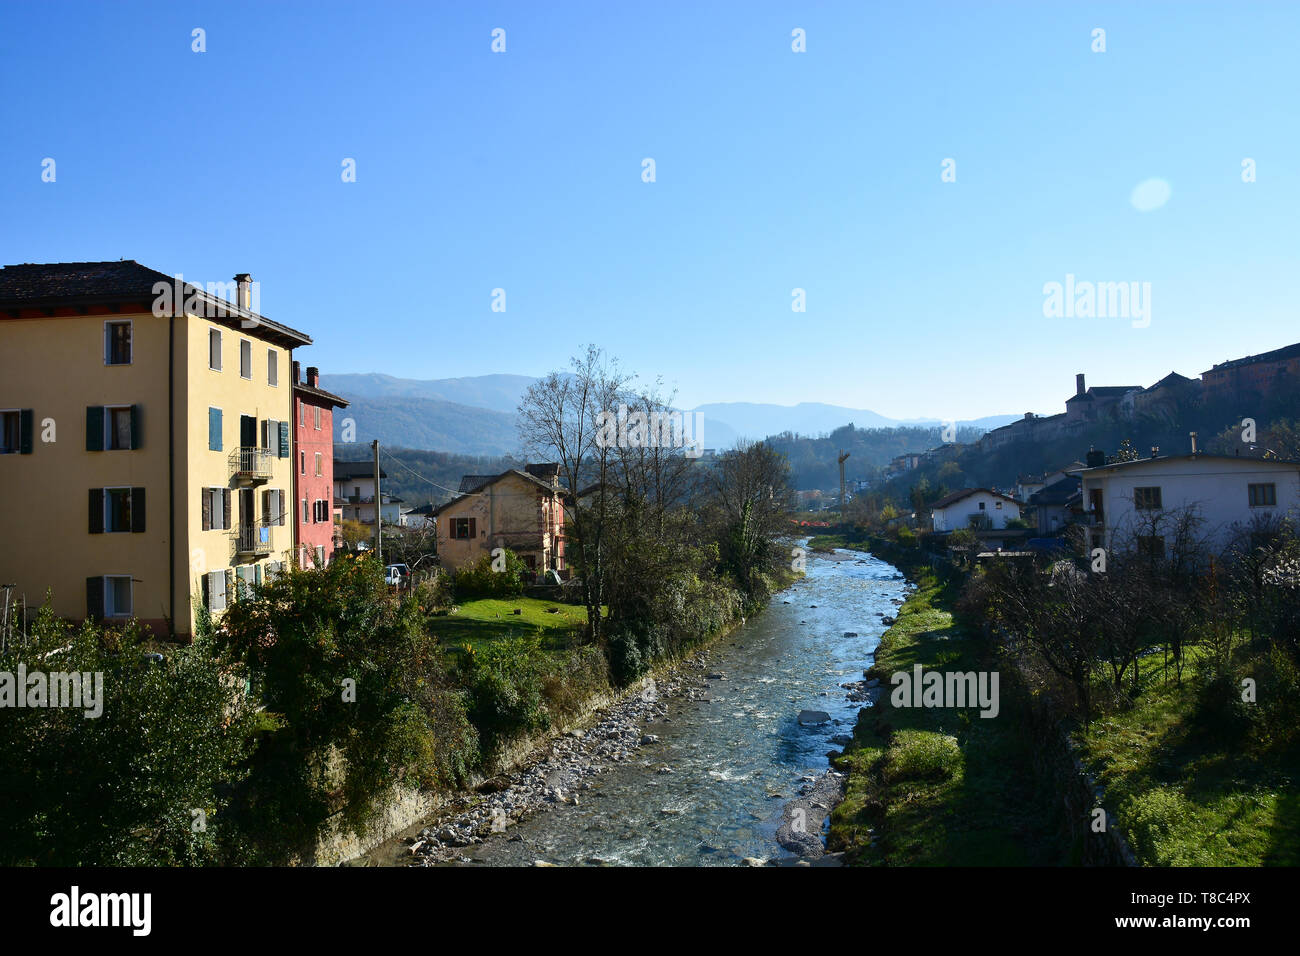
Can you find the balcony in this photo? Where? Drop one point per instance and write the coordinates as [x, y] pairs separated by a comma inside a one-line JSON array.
[[253, 540], [251, 465]]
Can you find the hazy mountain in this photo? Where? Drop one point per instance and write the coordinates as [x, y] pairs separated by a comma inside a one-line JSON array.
[[500, 393], [753, 420], [426, 423], [476, 415]]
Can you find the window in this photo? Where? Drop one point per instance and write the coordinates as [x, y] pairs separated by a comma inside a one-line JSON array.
[[982, 505], [305, 519], [215, 584], [1146, 499], [16, 432], [1262, 496], [302, 413], [116, 510], [117, 427], [245, 358], [462, 528], [998, 506], [272, 368], [117, 595], [117, 343], [302, 463], [273, 506], [318, 471], [320, 555], [316, 412], [214, 349], [216, 509]]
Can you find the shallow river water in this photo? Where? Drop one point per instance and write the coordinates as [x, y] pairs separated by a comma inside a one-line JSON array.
[[738, 756]]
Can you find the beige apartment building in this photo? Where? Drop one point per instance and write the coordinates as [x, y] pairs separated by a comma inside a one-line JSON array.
[[145, 427]]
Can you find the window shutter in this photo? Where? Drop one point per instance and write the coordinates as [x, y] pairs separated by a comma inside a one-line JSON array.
[[205, 495], [257, 574], [266, 506], [284, 439], [95, 598], [229, 584], [266, 429], [25, 431], [226, 521], [137, 510], [473, 533], [206, 591], [94, 428], [214, 429], [96, 510], [135, 427]]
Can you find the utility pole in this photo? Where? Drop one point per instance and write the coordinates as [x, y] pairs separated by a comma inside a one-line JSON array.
[[379, 523], [843, 455]]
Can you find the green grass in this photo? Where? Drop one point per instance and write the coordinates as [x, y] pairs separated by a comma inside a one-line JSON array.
[[479, 622], [1186, 793], [934, 786]]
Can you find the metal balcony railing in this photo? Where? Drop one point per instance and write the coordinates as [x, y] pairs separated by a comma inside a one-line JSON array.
[[253, 539], [251, 464]]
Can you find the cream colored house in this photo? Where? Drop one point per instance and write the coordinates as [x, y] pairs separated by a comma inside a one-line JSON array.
[[521, 510], [153, 441]]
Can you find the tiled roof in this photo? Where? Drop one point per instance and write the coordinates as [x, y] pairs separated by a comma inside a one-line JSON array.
[[321, 394], [1277, 355], [53, 284], [966, 493], [356, 469]]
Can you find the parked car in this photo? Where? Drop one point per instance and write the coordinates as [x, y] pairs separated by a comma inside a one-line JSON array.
[[397, 575]]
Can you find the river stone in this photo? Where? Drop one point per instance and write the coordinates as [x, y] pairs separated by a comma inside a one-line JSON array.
[[812, 717]]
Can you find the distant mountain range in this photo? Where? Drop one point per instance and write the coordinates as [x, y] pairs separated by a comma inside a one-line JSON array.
[[476, 415]]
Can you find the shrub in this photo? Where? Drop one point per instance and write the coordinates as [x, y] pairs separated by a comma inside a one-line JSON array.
[[505, 681], [479, 580], [921, 755]]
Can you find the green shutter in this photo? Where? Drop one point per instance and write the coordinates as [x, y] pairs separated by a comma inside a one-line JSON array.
[[284, 439], [96, 510], [25, 432], [94, 428], [137, 510], [214, 429], [136, 437], [95, 598]]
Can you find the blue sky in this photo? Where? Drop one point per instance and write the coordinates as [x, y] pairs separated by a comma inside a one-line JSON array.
[[775, 170]]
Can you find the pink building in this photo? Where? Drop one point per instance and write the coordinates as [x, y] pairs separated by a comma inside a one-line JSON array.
[[313, 475]]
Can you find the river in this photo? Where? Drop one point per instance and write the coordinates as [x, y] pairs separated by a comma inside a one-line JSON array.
[[738, 755]]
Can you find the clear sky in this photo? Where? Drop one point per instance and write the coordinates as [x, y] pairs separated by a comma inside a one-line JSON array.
[[775, 170]]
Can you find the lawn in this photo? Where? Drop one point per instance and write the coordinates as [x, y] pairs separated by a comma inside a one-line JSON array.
[[1189, 791], [478, 622]]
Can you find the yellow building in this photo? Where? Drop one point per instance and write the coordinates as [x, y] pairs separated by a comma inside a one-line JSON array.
[[145, 441]]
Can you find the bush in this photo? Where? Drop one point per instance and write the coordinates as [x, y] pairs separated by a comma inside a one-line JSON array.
[[921, 755], [479, 580], [361, 694], [506, 681], [121, 788]]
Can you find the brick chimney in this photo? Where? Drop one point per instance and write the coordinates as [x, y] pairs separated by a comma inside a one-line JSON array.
[[1079, 388], [313, 376], [243, 284]]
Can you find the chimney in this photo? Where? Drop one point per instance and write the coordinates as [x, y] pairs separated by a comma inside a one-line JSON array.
[[1078, 384], [1193, 443], [313, 375], [297, 372], [243, 283]]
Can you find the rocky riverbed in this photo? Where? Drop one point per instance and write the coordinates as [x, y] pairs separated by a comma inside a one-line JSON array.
[[563, 771]]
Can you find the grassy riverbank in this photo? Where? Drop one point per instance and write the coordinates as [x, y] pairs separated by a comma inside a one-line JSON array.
[[937, 786]]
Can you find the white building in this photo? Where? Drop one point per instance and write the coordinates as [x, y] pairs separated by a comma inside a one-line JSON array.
[[1129, 500], [978, 508], [354, 493]]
